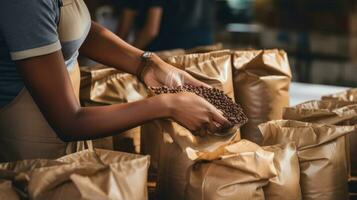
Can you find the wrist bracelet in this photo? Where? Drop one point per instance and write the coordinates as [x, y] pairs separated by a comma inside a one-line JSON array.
[[145, 63]]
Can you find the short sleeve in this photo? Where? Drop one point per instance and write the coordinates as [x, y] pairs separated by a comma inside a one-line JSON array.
[[29, 27]]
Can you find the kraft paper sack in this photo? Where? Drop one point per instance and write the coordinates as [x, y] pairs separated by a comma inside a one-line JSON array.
[[213, 68], [173, 163], [348, 95], [99, 174], [261, 85], [286, 183], [7, 191], [321, 153], [165, 141], [105, 86], [240, 171], [325, 111], [101, 85], [334, 112]]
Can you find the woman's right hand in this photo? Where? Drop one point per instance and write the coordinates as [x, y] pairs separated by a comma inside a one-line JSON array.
[[195, 113]]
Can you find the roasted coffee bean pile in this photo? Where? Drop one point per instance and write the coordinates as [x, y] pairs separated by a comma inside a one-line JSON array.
[[232, 111]]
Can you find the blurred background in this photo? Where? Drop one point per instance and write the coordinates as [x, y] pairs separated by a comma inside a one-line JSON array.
[[320, 36]]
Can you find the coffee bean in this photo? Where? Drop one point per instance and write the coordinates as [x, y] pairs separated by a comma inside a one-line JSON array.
[[231, 110]]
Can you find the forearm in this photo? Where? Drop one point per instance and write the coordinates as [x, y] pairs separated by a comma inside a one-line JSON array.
[[105, 47], [95, 122]]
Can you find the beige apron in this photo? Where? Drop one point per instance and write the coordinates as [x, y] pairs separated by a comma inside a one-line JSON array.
[[25, 133]]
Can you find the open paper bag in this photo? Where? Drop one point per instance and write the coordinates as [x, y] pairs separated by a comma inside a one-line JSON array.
[[261, 85], [238, 170], [102, 85], [348, 95], [333, 112], [215, 69], [173, 163], [284, 185], [321, 153], [88, 174]]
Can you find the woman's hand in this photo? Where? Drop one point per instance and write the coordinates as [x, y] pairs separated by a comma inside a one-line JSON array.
[[195, 113], [188, 109], [160, 73]]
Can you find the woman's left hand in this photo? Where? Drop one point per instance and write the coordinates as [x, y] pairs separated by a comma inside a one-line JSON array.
[[160, 73]]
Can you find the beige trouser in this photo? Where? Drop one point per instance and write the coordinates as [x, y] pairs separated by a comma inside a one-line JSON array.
[[25, 133]]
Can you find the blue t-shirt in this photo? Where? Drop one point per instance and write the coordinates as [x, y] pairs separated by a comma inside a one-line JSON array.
[[30, 28]]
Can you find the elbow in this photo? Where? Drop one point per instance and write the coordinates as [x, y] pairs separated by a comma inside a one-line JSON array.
[[66, 138], [69, 131], [70, 125], [66, 134]]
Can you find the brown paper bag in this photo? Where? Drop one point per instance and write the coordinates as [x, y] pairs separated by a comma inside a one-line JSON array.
[[101, 85], [261, 86], [166, 141], [213, 68], [333, 112], [348, 95], [173, 163], [104, 85], [325, 111], [172, 172], [7, 191], [241, 172], [321, 153], [99, 174], [286, 185]]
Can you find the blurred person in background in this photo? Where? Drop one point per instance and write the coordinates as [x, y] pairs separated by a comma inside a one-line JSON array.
[[167, 24]]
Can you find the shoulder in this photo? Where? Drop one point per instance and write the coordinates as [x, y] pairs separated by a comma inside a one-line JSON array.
[[29, 27], [25, 8]]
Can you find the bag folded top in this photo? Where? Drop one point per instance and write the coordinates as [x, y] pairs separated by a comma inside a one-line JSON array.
[[305, 135], [88, 174], [240, 172], [213, 68], [348, 95], [104, 86], [322, 155], [261, 86], [325, 111]]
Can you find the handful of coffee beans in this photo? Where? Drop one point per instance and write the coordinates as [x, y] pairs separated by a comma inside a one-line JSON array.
[[232, 111]]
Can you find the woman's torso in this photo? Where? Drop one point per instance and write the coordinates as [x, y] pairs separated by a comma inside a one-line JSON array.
[[72, 26], [52, 25]]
